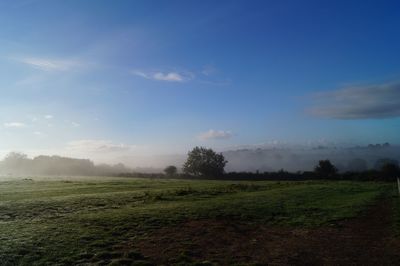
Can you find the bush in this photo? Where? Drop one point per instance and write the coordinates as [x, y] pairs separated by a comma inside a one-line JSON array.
[[171, 170]]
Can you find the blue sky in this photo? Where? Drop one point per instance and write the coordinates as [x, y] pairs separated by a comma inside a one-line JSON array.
[[117, 78]]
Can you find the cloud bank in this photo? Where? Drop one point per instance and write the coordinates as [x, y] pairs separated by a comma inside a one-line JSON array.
[[365, 102]]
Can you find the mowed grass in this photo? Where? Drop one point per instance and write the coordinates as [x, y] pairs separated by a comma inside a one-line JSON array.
[[64, 221]]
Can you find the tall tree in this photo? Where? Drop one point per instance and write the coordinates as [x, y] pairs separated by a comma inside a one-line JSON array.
[[170, 170], [325, 169], [204, 162]]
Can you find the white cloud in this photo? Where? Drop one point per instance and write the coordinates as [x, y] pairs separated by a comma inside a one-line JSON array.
[[14, 125], [49, 64], [94, 146], [141, 74], [38, 133], [48, 116], [171, 76], [74, 124], [165, 76], [215, 134]]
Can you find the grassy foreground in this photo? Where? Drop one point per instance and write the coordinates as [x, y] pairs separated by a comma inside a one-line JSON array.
[[90, 220]]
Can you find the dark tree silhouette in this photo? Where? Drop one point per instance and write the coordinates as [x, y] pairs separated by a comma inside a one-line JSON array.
[[383, 161], [325, 169], [390, 171], [204, 162], [170, 170]]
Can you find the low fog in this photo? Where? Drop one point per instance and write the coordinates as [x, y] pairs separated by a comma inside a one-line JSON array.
[[293, 159], [356, 158], [19, 164]]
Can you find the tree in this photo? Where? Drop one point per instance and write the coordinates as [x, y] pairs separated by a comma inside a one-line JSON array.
[[383, 161], [325, 169], [171, 170], [16, 162], [204, 162], [390, 171]]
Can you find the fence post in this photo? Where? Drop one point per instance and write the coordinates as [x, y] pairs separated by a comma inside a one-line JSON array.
[[398, 184]]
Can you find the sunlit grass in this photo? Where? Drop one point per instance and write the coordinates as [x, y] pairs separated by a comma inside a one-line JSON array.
[[89, 220]]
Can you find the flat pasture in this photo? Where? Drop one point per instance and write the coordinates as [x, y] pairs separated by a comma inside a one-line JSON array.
[[132, 221]]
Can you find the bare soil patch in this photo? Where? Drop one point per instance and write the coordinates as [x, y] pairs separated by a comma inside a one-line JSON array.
[[366, 240]]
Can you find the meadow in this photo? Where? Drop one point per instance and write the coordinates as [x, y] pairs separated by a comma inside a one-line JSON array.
[[128, 221]]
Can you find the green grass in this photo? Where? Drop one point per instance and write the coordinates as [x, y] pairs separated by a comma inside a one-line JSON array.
[[91, 220]]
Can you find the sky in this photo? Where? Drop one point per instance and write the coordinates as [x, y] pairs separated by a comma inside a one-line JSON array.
[[108, 79]]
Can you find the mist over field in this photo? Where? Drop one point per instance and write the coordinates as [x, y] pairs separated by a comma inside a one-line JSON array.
[[305, 159], [289, 158], [292, 159]]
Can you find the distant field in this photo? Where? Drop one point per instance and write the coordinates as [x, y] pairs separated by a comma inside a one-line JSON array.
[[88, 220]]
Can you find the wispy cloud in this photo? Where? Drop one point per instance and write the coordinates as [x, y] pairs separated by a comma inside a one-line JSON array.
[[48, 116], [141, 74], [172, 76], [74, 124], [90, 145], [14, 125], [33, 118], [48, 64], [209, 75], [215, 134], [363, 102]]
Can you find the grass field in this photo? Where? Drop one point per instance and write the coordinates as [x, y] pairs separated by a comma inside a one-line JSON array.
[[96, 220]]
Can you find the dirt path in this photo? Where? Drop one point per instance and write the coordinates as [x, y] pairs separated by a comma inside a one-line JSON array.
[[366, 240]]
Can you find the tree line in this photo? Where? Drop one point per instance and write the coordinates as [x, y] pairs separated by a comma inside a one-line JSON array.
[[19, 164], [204, 163], [201, 163]]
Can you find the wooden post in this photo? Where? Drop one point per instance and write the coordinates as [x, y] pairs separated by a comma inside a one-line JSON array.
[[398, 184]]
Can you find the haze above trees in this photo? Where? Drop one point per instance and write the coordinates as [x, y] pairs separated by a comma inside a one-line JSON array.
[[210, 163], [19, 164]]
